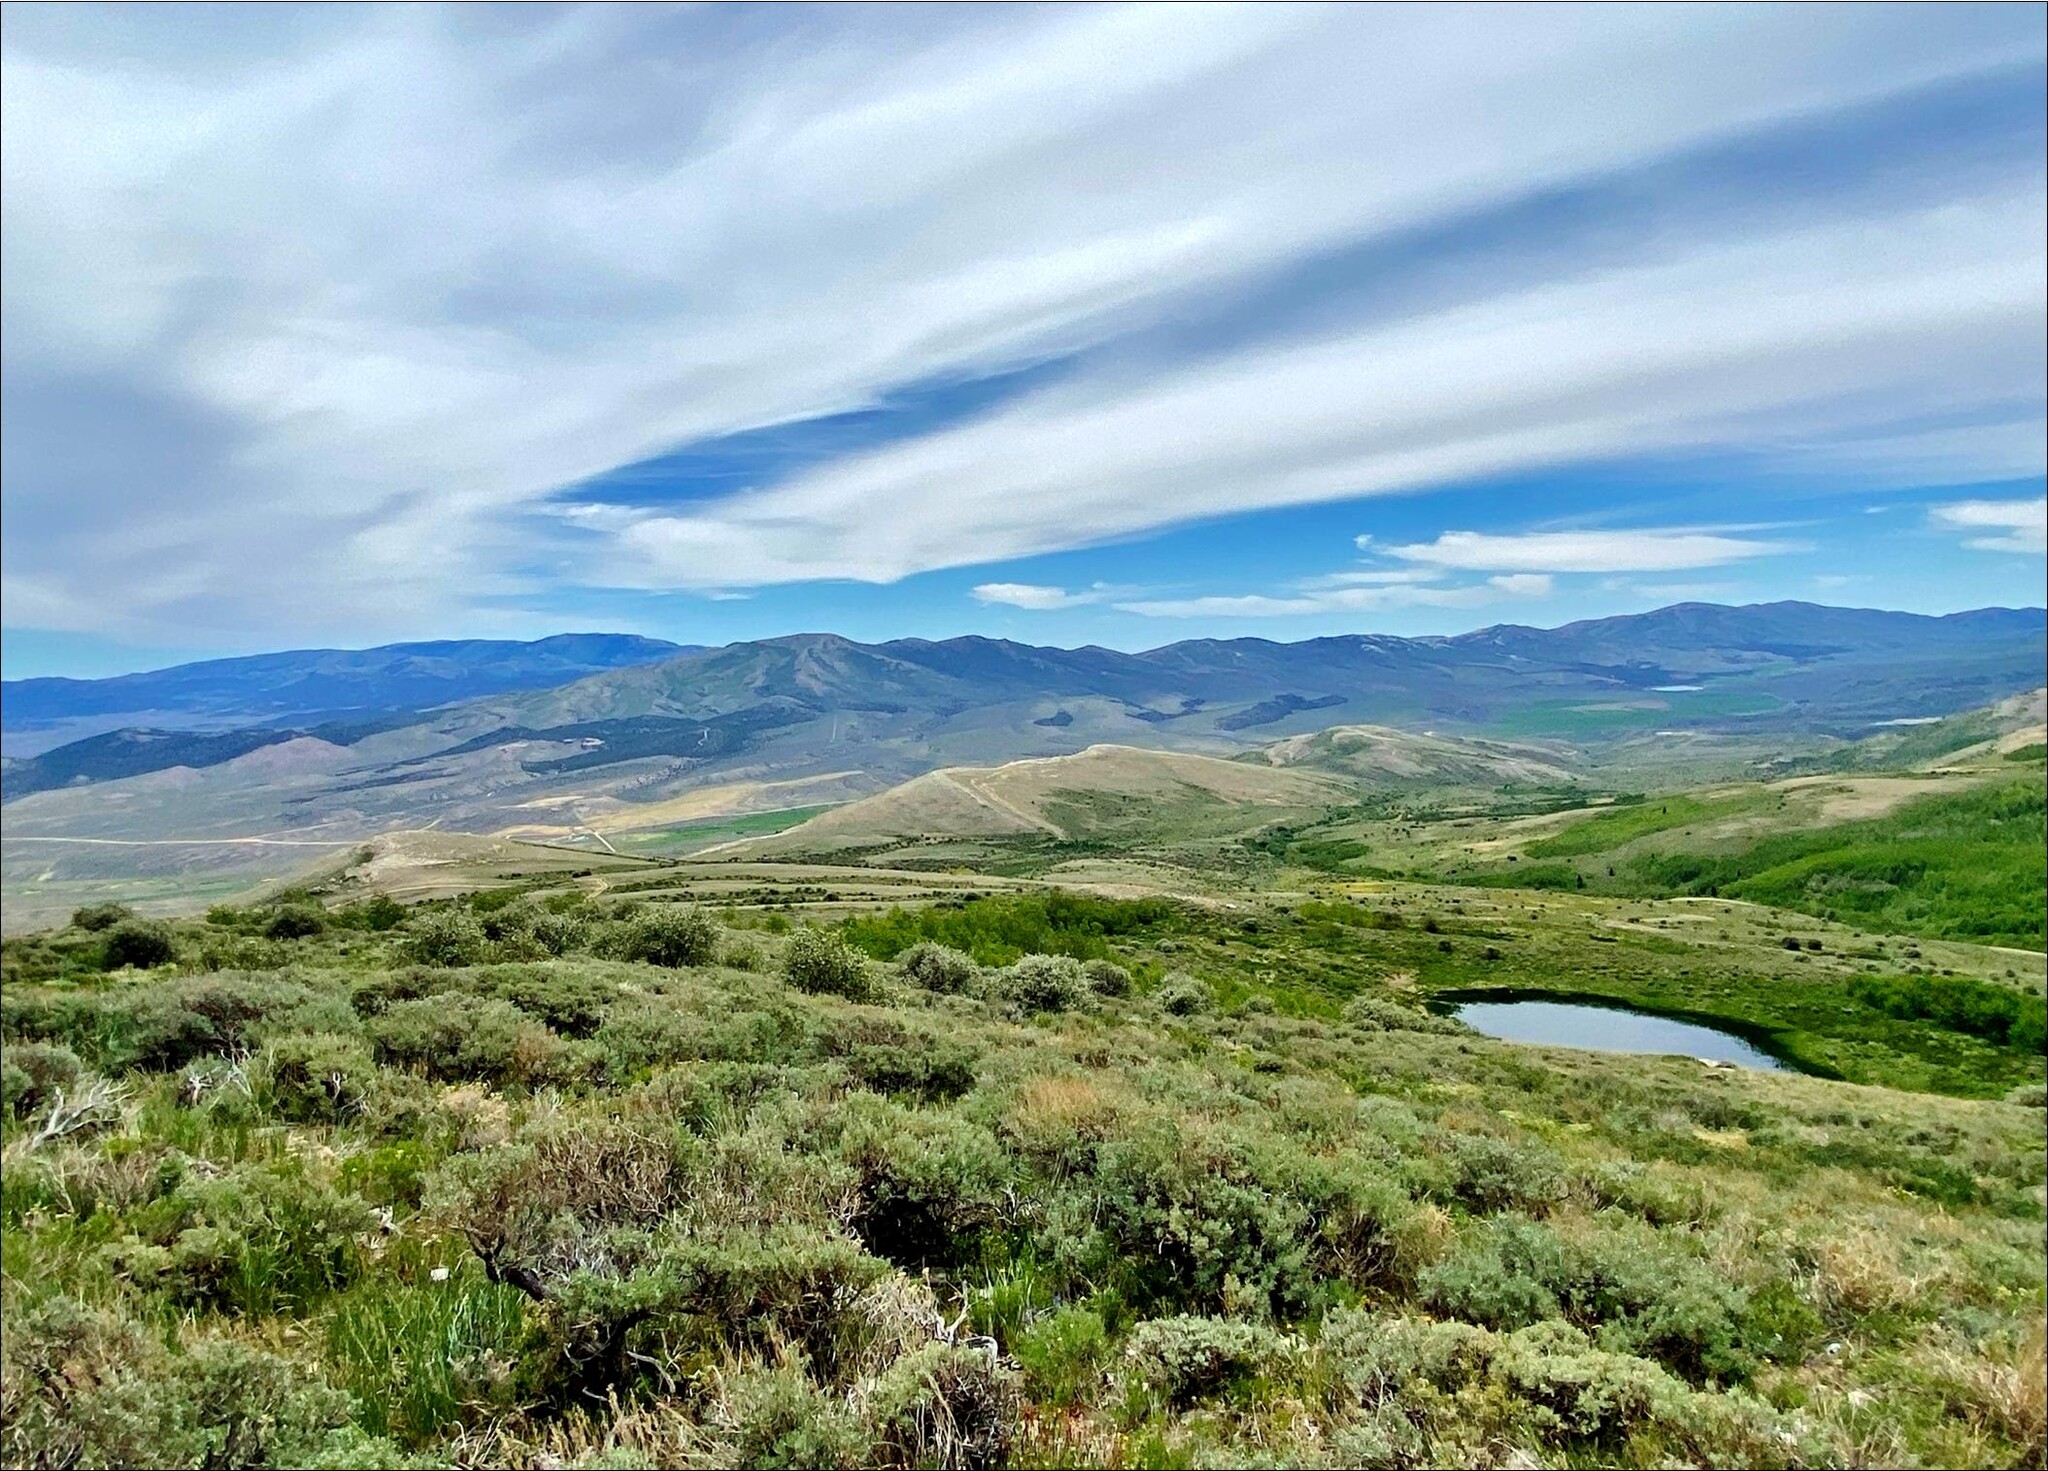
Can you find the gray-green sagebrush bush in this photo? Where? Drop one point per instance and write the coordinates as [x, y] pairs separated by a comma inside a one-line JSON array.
[[1042, 983], [938, 967], [820, 962]]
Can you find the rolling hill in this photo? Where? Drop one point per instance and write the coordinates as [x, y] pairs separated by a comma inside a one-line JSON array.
[[1690, 693], [1104, 792], [1380, 756]]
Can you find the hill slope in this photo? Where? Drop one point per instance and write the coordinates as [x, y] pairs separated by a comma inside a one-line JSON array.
[[1380, 755], [1102, 792]]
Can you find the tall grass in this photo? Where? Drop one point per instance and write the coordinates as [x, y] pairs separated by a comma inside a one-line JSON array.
[[423, 1356]]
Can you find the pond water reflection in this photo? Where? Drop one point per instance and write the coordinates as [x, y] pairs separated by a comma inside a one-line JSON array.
[[1607, 1029]]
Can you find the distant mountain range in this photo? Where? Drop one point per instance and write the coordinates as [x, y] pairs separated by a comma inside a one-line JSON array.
[[308, 685], [402, 735]]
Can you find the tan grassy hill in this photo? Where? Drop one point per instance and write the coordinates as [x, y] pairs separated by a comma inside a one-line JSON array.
[[1381, 755], [1103, 792]]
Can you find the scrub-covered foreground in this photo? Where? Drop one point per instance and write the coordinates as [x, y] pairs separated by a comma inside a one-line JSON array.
[[564, 1183]]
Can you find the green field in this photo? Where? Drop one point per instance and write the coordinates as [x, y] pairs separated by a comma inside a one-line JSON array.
[[690, 837]]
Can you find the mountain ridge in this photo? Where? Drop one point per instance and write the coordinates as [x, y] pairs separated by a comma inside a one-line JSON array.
[[310, 684], [799, 704]]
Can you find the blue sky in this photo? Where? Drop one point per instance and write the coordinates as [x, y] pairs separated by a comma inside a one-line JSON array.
[[1070, 325]]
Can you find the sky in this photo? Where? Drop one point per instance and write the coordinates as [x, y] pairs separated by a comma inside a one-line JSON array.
[[339, 325]]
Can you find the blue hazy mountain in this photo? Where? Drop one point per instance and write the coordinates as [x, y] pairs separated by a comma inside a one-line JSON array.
[[667, 718], [314, 684]]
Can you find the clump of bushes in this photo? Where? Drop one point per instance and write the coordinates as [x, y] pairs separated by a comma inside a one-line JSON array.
[[142, 943], [85, 1388], [1042, 983], [1181, 994], [2000, 1015], [1637, 1294], [945, 1406], [96, 917], [1107, 978], [1183, 1360], [820, 962], [668, 935], [525, 931], [320, 1078], [1376, 1014], [31, 1073], [452, 1037], [447, 937], [938, 967], [295, 922]]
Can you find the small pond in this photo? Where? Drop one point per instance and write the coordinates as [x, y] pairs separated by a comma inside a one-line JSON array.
[[1607, 1028]]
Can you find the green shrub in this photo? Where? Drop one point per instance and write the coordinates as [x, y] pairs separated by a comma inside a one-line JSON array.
[[255, 1409], [1377, 1359], [1062, 1355], [998, 928], [2000, 1015], [938, 967], [97, 917], [896, 1058], [295, 922], [570, 1003], [1107, 978], [320, 1078], [1491, 1174], [1376, 1014], [1042, 983], [1183, 1360], [241, 952], [453, 1036], [1181, 994], [255, 1240], [741, 954], [944, 1406], [1202, 1223], [446, 937], [1642, 1297], [928, 1185], [86, 1389], [35, 1071], [525, 931], [668, 935], [1506, 1277], [377, 913], [822, 963], [167, 1024], [141, 943], [776, 1418]]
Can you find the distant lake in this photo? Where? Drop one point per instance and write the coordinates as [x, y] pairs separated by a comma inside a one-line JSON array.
[[1607, 1029]]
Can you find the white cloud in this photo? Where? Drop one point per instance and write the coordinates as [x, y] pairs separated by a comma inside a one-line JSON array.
[[1678, 592], [307, 314], [1712, 349], [2023, 524], [1032, 596], [1341, 593], [1669, 550], [1378, 577]]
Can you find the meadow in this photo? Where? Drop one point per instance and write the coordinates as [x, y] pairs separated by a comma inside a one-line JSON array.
[[538, 1176]]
